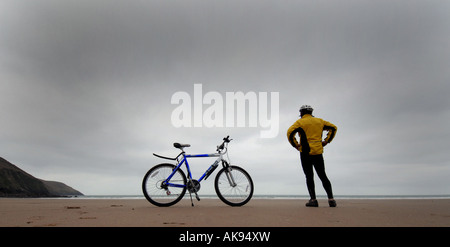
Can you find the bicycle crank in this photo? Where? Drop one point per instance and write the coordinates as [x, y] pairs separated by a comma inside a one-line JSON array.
[[193, 186]]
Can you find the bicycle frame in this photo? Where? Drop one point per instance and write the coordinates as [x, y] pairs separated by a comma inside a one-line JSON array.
[[184, 161]]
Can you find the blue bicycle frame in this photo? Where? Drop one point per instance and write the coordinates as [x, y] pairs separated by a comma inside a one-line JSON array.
[[184, 160]]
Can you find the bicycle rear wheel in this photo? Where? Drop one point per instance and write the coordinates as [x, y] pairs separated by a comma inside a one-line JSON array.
[[234, 187], [159, 194]]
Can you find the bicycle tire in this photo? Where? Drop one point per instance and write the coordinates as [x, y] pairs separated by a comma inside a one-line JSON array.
[[158, 196], [238, 195]]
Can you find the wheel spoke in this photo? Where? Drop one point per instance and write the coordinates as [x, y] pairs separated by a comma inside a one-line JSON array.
[[156, 192], [236, 194]]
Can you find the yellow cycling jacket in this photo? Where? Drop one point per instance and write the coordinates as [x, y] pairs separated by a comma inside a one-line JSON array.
[[310, 130]]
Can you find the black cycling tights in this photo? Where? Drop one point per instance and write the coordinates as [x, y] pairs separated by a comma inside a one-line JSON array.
[[308, 161]]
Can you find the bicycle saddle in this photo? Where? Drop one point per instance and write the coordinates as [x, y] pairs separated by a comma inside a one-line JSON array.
[[178, 145]]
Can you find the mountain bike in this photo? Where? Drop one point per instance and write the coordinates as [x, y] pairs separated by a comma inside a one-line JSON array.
[[166, 184]]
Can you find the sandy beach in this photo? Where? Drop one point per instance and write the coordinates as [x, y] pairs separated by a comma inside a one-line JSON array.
[[213, 213]]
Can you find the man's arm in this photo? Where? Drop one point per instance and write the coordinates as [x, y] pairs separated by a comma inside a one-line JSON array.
[[291, 136], [332, 129]]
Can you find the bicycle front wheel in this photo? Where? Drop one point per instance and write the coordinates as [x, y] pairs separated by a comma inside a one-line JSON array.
[[234, 186], [157, 192]]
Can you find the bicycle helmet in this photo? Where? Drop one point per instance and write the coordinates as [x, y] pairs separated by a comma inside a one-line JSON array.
[[305, 109]]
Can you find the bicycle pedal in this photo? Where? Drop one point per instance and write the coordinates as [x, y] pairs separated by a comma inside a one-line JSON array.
[[196, 196]]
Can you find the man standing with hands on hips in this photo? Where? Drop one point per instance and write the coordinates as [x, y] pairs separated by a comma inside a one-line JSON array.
[[310, 145]]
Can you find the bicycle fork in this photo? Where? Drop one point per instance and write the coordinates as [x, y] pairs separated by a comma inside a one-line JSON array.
[[228, 170], [230, 177]]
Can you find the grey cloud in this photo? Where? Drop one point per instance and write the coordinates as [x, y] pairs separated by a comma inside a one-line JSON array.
[[86, 85]]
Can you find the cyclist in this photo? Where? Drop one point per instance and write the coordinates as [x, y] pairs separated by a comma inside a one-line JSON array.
[[311, 145]]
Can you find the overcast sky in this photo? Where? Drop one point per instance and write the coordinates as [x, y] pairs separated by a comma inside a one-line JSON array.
[[86, 87]]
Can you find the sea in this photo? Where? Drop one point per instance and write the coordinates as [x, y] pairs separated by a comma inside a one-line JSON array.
[[277, 197]]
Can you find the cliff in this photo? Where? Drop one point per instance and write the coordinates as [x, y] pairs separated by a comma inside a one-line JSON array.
[[14, 182]]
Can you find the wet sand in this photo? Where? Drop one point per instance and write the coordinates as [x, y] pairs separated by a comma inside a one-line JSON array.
[[213, 213]]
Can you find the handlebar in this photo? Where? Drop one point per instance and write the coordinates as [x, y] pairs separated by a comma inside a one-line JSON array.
[[222, 146], [227, 139]]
